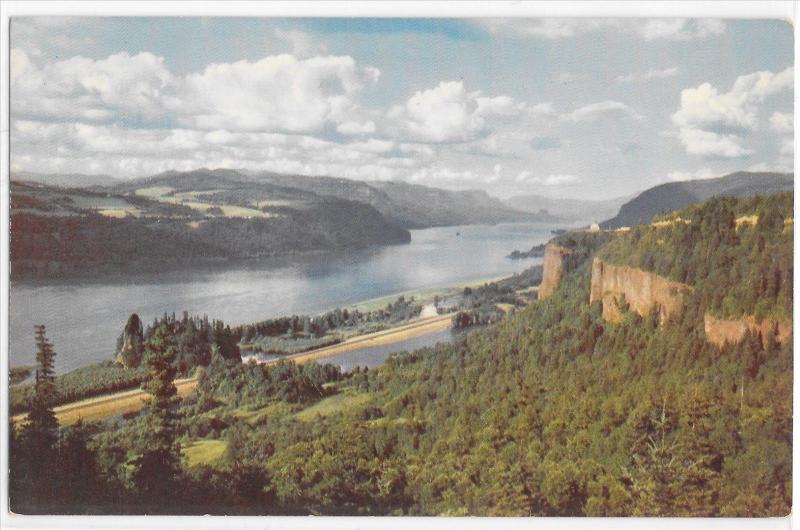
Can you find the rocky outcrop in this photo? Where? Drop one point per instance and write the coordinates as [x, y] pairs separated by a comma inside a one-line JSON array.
[[719, 331], [553, 268], [131, 345], [643, 291]]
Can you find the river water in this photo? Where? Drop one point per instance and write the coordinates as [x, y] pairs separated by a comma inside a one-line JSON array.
[[85, 317]]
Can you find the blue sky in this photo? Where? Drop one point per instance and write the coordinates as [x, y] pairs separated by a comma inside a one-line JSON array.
[[594, 108]]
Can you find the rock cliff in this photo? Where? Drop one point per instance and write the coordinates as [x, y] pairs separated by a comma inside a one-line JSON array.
[[643, 291], [719, 331], [552, 269]]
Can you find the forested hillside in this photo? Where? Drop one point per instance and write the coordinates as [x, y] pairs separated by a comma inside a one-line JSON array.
[[737, 253], [675, 195], [552, 411], [413, 205], [202, 217]]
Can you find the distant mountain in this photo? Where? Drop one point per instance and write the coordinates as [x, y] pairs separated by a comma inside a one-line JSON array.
[[676, 195], [411, 205], [406, 205], [417, 205], [65, 180], [568, 209]]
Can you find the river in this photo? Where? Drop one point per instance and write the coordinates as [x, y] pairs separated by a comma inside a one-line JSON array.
[[85, 317]]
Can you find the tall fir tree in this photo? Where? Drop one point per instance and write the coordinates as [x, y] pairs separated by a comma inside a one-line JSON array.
[[42, 423], [36, 463], [157, 468]]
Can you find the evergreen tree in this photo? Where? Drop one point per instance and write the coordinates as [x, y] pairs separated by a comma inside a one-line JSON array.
[[40, 433], [157, 469], [42, 421], [80, 490], [701, 459]]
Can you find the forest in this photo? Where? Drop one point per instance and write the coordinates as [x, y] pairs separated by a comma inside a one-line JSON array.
[[552, 411], [482, 305]]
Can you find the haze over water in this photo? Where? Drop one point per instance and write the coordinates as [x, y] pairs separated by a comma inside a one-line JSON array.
[[84, 318]]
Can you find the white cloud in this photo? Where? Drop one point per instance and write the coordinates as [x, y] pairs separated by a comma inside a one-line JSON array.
[[706, 106], [704, 112], [372, 145], [781, 166], [449, 113], [650, 74], [782, 122], [700, 174], [276, 93], [496, 174], [681, 29], [594, 110], [441, 114], [273, 114], [126, 152], [711, 144], [787, 147], [545, 28], [562, 28], [354, 127], [88, 89], [528, 177]]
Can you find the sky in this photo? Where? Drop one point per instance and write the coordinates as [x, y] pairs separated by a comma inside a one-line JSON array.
[[591, 108]]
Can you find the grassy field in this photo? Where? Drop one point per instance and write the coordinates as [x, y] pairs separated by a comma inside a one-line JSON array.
[[203, 451], [252, 416], [154, 192], [194, 200], [107, 206], [347, 400]]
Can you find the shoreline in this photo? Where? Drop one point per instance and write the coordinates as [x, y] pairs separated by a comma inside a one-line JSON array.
[[400, 333], [128, 401]]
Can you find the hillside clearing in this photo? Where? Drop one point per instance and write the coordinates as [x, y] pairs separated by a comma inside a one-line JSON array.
[[347, 400], [203, 451]]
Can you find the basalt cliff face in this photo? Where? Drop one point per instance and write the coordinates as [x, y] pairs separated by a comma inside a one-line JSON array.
[[646, 291], [552, 269], [643, 291], [719, 331]]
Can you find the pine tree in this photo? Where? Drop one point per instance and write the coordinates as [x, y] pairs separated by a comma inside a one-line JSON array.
[[78, 470], [41, 419], [157, 469], [701, 460], [39, 436]]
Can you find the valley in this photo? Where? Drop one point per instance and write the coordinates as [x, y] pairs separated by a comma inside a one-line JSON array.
[[676, 329]]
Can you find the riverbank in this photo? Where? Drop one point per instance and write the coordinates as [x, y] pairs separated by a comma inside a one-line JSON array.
[[130, 401], [427, 324], [390, 336]]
